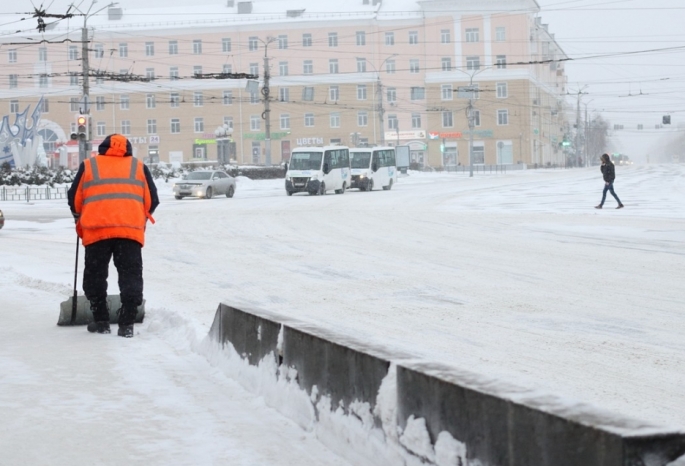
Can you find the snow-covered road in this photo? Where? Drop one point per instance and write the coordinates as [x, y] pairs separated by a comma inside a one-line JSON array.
[[515, 277]]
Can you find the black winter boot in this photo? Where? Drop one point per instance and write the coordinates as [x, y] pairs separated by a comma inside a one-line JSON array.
[[125, 331], [127, 316], [99, 327]]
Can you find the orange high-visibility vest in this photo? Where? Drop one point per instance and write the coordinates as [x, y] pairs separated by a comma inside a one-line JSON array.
[[113, 199]]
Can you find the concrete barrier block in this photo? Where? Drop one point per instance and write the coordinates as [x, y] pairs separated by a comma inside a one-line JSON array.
[[500, 432], [252, 336]]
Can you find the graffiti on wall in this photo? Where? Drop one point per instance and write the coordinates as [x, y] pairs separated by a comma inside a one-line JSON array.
[[20, 144]]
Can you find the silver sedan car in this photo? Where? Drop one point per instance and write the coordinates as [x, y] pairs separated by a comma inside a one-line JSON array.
[[205, 183]]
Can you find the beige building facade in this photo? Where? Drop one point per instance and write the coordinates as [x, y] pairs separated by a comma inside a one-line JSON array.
[[374, 74]]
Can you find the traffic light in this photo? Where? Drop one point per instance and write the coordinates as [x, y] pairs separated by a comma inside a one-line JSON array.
[[82, 128], [666, 120]]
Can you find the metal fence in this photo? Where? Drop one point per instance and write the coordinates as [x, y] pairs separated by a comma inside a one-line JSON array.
[[29, 193]]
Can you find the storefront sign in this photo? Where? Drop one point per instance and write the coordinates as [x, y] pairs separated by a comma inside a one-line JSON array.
[[137, 140], [479, 133], [154, 139], [262, 136], [309, 141], [390, 135], [202, 142]]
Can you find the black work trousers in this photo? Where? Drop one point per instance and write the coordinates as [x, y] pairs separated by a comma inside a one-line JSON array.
[[128, 260]]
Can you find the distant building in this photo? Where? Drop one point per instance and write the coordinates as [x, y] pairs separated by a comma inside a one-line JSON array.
[[354, 73]]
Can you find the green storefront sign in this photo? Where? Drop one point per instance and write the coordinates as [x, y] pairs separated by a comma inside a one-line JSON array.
[[262, 136]]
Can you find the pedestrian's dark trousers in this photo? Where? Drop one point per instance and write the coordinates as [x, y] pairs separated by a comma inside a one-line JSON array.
[[128, 260], [609, 187]]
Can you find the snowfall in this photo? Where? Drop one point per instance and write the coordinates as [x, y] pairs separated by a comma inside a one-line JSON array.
[[514, 278]]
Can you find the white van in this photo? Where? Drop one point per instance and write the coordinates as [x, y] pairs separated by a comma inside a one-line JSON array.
[[317, 170], [373, 167]]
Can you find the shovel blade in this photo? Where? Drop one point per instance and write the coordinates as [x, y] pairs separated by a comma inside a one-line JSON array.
[[84, 315]]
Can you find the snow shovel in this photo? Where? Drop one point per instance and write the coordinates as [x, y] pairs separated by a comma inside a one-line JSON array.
[[76, 310]]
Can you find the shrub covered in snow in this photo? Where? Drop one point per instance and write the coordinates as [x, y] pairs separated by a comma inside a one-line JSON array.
[[34, 176]]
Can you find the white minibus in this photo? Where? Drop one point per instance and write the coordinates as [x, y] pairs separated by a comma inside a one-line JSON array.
[[316, 170], [373, 167]]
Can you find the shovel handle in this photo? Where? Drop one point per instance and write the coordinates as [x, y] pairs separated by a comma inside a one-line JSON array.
[[73, 300]]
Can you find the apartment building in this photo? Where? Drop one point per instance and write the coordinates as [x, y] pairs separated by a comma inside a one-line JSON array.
[[361, 73]]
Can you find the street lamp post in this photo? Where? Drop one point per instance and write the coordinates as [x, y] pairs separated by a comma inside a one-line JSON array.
[[471, 113], [379, 90], [266, 116]]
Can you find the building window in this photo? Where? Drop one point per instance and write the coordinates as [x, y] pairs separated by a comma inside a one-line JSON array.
[[306, 40], [502, 117], [361, 92], [392, 122], [505, 152], [332, 39], [502, 91], [285, 121], [391, 95], [199, 125], [173, 73], [362, 119], [389, 38], [14, 106], [418, 93], [150, 73], [478, 153], [446, 92], [282, 42], [254, 98], [390, 67], [101, 128], [283, 68], [124, 102], [334, 93], [414, 66], [227, 69], [46, 106], [152, 126], [12, 55], [73, 79], [501, 61], [284, 94], [334, 120], [14, 81], [228, 97], [174, 100], [173, 47], [197, 70], [42, 54], [476, 117], [447, 119], [197, 47], [255, 123], [361, 65], [308, 67], [309, 120], [361, 38], [226, 44], [150, 101], [446, 64], [254, 68], [473, 63], [445, 36], [73, 104], [126, 127], [123, 50], [228, 121], [415, 120], [175, 126], [198, 99], [252, 44], [333, 66], [99, 51], [308, 94], [413, 37], [73, 52], [500, 34], [149, 49], [472, 35], [99, 103]]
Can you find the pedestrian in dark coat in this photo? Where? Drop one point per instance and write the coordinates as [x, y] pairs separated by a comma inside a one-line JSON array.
[[609, 174], [112, 198]]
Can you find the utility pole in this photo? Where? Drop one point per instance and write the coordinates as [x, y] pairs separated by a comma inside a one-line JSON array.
[[381, 110], [580, 93], [266, 116]]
